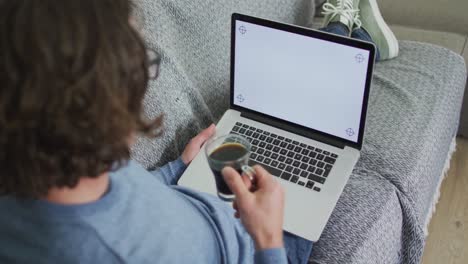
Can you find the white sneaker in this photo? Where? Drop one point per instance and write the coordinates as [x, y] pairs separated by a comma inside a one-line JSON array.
[[343, 11], [379, 31]]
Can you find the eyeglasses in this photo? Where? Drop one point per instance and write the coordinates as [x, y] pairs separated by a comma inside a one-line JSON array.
[[154, 62]]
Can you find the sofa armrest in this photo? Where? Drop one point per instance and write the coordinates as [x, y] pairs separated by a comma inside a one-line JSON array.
[[427, 14]]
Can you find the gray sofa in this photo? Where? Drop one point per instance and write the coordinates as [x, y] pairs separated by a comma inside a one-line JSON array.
[[413, 117]]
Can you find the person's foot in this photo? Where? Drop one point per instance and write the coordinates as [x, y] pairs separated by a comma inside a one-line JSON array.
[[374, 24], [343, 11]]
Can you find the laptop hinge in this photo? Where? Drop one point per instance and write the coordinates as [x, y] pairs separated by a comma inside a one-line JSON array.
[[294, 129]]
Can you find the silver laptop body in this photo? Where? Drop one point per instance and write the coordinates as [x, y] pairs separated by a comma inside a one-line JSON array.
[[295, 92]]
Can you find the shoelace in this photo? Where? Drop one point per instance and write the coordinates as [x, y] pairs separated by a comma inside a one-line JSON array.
[[343, 8]]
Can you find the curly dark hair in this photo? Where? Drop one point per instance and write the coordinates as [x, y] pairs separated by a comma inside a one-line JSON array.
[[73, 75]]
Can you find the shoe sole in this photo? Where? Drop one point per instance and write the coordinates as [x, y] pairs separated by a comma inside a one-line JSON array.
[[386, 31]]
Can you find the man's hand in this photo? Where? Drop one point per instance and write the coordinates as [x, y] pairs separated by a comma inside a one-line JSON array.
[[260, 211], [193, 147]]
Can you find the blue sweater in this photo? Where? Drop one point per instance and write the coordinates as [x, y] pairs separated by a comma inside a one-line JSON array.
[[143, 218]]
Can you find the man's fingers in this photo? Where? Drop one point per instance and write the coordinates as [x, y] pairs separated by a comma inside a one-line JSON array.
[[247, 181], [199, 139], [262, 176], [235, 182], [195, 144]]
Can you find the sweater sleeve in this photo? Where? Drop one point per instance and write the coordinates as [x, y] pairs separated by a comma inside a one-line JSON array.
[[271, 256], [171, 172]]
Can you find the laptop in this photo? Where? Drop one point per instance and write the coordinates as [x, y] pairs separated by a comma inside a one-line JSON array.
[[300, 97]]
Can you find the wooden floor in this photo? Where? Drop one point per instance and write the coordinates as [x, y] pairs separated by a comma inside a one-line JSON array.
[[447, 242]]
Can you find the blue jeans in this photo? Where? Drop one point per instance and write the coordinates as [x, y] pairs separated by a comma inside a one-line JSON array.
[[340, 29], [298, 249]]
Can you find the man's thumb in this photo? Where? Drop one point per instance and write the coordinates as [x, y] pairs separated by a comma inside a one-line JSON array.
[[234, 181], [204, 135]]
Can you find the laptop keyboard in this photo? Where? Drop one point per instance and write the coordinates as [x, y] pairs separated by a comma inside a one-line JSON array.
[[287, 159]]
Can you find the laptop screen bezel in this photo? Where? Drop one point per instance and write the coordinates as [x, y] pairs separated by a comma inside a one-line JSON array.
[[314, 34]]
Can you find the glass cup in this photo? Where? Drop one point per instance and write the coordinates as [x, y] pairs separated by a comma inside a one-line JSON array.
[[228, 151]]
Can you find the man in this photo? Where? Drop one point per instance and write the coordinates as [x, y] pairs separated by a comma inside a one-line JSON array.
[[73, 76]]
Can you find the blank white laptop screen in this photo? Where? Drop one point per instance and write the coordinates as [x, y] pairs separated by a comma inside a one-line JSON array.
[[307, 81]]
